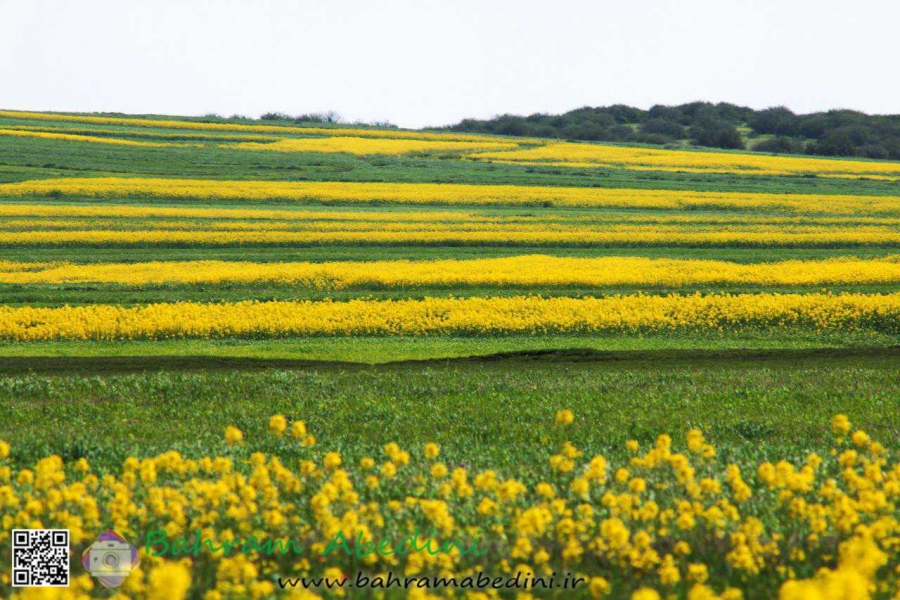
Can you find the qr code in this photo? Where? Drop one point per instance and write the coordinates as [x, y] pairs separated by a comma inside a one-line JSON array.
[[40, 557]]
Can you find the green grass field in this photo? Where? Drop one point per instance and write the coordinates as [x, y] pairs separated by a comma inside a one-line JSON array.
[[477, 409]]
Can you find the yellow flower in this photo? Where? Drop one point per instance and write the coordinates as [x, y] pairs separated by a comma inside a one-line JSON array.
[[233, 435], [695, 440], [698, 572], [277, 424], [298, 429], [580, 487], [565, 417], [699, 591], [862, 554], [598, 587], [840, 424], [645, 593], [439, 470], [545, 490], [332, 461], [860, 438], [638, 485], [432, 450], [668, 571], [168, 581], [487, 507]]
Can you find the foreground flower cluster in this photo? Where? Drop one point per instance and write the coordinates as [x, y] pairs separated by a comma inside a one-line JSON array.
[[456, 316], [673, 519]]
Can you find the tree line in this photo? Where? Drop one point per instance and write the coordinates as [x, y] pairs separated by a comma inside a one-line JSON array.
[[722, 125]]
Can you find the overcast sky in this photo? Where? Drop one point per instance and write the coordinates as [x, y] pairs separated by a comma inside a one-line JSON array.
[[421, 62]]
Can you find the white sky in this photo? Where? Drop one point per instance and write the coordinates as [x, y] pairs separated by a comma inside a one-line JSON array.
[[422, 62]]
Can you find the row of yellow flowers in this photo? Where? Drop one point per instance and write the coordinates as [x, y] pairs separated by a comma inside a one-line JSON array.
[[195, 125], [497, 226], [673, 520], [599, 155], [360, 145], [534, 270], [113, 132], [397, 214], [233, 236], [84, 138], [354, 225], [299, 213], [350, 145], [455, 316], [432, 193]]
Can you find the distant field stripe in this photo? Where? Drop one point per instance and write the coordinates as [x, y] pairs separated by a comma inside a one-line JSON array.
[[85, 138], [717, 171], [603, 155], [86, 131], [456, 316], [105, 210], [513, 226], [534, 270], [177, 124], [639, 237], [363, 146], [458, 194], [312, 225], [300, 214]]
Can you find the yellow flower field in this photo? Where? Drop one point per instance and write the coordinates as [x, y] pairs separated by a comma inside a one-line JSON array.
[[373, 221], [99, 132], [78, 213], [415, 193], [184, 124], [621, 375], [369, 236], [361, 145], [84, 138], [533, 270], [456, 316], [599, 155], [124, 211], [674, 517]]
